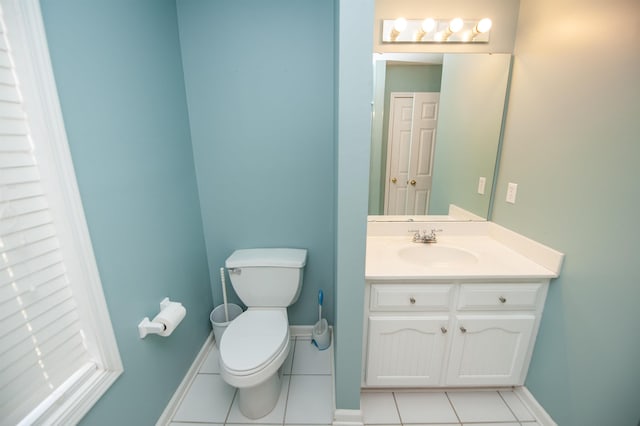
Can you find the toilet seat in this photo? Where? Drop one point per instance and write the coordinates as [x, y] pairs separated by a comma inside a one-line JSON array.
[[253, 340]]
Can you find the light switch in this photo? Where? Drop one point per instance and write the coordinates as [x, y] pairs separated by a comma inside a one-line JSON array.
[[481, 184], [512, 189]]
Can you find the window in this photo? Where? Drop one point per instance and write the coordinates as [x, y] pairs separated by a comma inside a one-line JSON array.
[[58, 353]]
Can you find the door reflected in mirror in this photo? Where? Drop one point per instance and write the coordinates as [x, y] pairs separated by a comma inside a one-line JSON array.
[[437, 121]]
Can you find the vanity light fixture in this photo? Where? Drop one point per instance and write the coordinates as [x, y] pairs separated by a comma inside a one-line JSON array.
[[436, 30]]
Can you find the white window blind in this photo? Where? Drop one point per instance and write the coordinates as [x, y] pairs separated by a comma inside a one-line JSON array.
[[48, 352], [41, 342]]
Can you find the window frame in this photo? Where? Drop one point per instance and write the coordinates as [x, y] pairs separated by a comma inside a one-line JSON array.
[[26, 34]]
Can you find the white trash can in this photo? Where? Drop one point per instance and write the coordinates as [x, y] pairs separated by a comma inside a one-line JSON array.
[[218, 319]]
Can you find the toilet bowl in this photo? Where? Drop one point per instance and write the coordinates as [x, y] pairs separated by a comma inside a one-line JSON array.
[[256, 344], [252, 350]]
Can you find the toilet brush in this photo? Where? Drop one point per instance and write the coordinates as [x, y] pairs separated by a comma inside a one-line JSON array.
[[320, 336], [320, 300], [224, 295]]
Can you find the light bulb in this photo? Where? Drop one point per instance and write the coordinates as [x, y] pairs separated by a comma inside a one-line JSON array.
[[400, 25], [428, 25], [456, 25], [483, 26]]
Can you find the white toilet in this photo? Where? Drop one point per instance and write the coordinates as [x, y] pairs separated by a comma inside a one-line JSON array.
[[256, 343]]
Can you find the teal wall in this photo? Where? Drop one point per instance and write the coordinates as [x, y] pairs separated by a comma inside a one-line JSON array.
[[260, 90], [119, 76], [354, 88], [472, 102], [571, 144], [398, 78]]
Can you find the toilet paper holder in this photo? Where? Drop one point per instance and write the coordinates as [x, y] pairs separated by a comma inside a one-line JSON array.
[[156, 327]]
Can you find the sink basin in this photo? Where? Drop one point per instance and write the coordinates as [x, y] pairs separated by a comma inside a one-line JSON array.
[[437, 255]]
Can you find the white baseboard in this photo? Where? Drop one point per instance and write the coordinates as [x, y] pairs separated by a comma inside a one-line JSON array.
[[534, 406], [176, 399], [300, 330], [347, 418]]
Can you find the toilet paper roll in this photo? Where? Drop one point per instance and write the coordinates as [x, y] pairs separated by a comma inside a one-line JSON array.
[[170, 317]]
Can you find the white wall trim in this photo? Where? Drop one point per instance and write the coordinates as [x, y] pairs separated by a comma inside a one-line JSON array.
[[534, 406], [30, 52], [344, 417], [183, 387], [300, 330]]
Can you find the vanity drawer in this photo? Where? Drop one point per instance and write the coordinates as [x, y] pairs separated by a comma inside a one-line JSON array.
[[410, 297], [499, 296]]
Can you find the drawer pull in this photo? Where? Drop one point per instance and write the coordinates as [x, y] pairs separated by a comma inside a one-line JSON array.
[[444, 330], [412, 300], [462, 329], [502, 299]]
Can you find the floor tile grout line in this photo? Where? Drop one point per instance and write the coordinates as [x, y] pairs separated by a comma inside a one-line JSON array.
[[513, 413], [286, 401], [235, 394], [453, 408], [293, 354], [286, 404], [395, 402]]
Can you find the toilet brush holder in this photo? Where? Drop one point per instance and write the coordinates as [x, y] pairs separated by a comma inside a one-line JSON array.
[[219, 321], [321, 335]]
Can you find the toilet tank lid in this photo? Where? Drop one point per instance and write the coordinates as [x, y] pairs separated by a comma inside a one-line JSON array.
[[267, 257]]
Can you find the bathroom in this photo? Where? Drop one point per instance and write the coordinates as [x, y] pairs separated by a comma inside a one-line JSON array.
[[173, 178]]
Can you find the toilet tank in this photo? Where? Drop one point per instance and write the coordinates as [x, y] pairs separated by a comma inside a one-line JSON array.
[[270, 277]]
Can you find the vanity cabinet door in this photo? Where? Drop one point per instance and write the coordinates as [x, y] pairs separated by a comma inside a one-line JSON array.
[[490, 349], [406, 351]]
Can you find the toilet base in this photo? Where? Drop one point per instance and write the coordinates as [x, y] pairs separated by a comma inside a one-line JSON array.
[[258, 401]]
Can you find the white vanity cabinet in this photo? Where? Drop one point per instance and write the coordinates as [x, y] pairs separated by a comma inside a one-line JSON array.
[[457, 333]]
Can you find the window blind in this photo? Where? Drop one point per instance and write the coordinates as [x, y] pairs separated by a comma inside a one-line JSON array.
[[42, 344]]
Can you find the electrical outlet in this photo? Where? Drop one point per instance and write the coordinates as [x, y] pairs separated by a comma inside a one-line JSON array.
[[512, 189], [481, 184]]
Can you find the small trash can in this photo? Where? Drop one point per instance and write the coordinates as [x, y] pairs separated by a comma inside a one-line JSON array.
[[218, 319]]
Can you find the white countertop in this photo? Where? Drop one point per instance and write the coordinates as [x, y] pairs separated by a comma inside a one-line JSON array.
[[495, 259]]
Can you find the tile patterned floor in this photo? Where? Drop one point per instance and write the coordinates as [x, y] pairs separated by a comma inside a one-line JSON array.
[[436, 408], [307, 399]]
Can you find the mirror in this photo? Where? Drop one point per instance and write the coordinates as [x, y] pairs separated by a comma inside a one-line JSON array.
[[436, 165]]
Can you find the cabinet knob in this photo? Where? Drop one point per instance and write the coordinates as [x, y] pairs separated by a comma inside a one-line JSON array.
[[502, 299], [413, 182], [394, 180], [412, 300], [462, 329], [444, 330]]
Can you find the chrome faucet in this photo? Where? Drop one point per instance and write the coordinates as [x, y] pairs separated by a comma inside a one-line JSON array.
[[423, 237]]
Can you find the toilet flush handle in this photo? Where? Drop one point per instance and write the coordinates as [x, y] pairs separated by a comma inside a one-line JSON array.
[[235, 271]]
